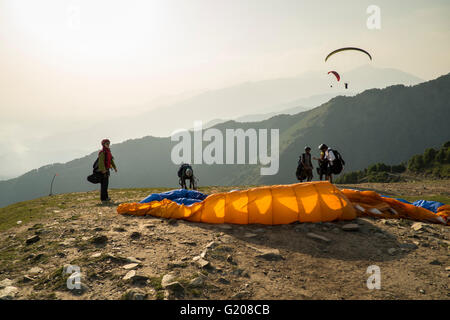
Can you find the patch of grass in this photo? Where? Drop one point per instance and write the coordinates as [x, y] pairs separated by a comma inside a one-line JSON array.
[[155, 282], [57, 280], [440, 198]]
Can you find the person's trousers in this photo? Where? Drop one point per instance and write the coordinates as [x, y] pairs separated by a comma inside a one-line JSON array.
[[104, 187]]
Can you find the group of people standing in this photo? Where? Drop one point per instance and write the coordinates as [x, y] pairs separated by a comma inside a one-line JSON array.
[[330, 162]]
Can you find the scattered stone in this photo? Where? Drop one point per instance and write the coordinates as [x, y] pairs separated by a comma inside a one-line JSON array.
[[39, 256], [131, 266], [202, 263], [98, 229], [250, 235], [100, 240], [5, 283], [410, 246], [422, 291], [85, 238], [133, 294], [26, 279], [270, 254], [19, 222], [211, 245], [176, 264], [133, 260], [230, 259], [447, 269], [175, 288], [223, 280], [35, 270], [96, 255], [350, 227], [301, 228], [226, 239], [317, 237], [135, 235], [239, 295], [417, 226], [189, 243], [198, 281], [172, 222], [167, 279], [8, 293], [129, 275], [392, 251], [225, 227], [33, 239], [436, 263]]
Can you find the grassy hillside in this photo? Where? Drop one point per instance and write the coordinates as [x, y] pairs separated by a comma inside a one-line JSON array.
[[434, 164]]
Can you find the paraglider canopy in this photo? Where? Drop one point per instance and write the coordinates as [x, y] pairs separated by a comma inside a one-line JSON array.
[[338, 77], [345, 49]]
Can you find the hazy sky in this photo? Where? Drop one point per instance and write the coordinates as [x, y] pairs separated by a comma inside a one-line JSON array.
[[64, 60]]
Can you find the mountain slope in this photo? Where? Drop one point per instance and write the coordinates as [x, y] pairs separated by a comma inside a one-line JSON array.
[[379, 125]]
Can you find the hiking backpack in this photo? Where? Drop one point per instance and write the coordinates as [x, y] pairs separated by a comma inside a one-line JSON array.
[[338, 163]]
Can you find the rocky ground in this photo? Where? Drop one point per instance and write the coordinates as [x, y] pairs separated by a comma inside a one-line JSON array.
[[126, 257]]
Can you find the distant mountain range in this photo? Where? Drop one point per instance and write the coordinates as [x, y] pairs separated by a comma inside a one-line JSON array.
[[379, 125], [246, 102]]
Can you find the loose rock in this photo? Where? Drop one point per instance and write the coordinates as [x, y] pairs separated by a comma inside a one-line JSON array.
[[350, 227], [33, 239], [131, 266], [392, 251], [8, 293], [318, 237], [100, 240], [270, 254], [5, 283], [129, 275]]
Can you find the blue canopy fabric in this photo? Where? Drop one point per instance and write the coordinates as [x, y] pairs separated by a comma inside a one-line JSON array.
[[180, 196], [426, 204], [429, 205]]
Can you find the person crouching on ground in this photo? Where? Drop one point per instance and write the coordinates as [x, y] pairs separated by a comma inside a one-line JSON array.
[[105, 163]]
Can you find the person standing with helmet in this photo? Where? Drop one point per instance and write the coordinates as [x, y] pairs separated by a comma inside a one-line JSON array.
[[329, 159], [105, 163], [307, 164]]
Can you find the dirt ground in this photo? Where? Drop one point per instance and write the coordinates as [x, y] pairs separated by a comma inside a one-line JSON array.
[[175, 259]]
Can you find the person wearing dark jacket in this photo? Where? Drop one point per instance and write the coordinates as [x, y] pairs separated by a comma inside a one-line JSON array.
[[105, 163]]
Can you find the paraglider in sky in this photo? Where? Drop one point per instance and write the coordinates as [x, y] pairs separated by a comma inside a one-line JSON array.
[[346, 85], [338, 77], [345, 49]]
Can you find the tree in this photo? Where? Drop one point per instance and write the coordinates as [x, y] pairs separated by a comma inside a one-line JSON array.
[[416, 163], [429, 156]]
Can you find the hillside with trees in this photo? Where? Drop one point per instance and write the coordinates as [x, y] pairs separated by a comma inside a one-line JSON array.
[[434, 164]]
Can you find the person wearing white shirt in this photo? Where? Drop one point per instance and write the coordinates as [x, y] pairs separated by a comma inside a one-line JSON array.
[[330, 157]]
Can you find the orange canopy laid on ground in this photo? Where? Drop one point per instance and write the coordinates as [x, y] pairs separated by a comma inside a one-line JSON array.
[[284, 204], [370, 203], [270, 205]]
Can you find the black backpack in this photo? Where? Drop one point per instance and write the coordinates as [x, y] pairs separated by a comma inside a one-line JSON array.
[[96, 176], [338, 163], [95, 165], [183, 168]]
